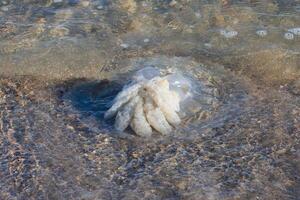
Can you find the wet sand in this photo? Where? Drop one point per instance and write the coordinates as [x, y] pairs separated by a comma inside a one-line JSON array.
[[56, 147]]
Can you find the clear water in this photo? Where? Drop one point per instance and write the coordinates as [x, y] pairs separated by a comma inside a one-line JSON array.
[[61, 62]]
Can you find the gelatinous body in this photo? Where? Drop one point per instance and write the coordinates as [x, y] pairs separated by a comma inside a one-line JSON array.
[[139, 122], [181, 85], [124, 115], [156, 118], [122, 98], [150, 102]]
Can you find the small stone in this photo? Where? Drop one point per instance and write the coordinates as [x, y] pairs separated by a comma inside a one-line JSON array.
[[173, 3], [129, 5], [135, 154], [100, 7], [262, 33], [59, 31], [198, 15], [295, 31], [107, 141], [4, 8], [84, 3], [70, 127], [4, 3], [228, 34], [225, 2], [281, 151], [182, 185], [218, 20], [208, 45], [146, 40], [289, 36], [124, 45], [57, 3], [232, 34]]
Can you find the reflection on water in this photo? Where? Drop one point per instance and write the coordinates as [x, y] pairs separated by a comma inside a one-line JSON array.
[[62, 61]]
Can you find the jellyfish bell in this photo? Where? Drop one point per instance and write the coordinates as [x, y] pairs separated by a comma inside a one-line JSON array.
[[155, 100], [145, 74], [181, 85]]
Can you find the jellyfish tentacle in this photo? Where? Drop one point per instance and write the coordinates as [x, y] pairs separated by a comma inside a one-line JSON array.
[[139, 122], [125, 115], [173, 99], [156, 118], [163, 89], [153, 103], [121, 99], [156, 88]]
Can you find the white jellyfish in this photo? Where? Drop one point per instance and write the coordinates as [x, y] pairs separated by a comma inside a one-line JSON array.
[[150, 103]]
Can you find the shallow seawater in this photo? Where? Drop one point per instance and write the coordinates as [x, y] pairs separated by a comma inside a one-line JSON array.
[[63, 62]]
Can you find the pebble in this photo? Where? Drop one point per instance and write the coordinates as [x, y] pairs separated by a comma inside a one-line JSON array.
[[84, 3], [59, 31], [208, 45], [124, 45], [100, 7], [146, 40], [107, 140], [145, 4], [289, 36], [228, 34], [129, 5], [295, 31], [4, 3], [198, 15], [173, 3], [262, 33], [57, 1], [4, 8]]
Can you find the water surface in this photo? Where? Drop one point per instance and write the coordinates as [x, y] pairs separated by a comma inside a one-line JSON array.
[[61, 62]]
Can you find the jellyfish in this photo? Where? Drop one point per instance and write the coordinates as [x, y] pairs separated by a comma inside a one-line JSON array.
[[151, 102]]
